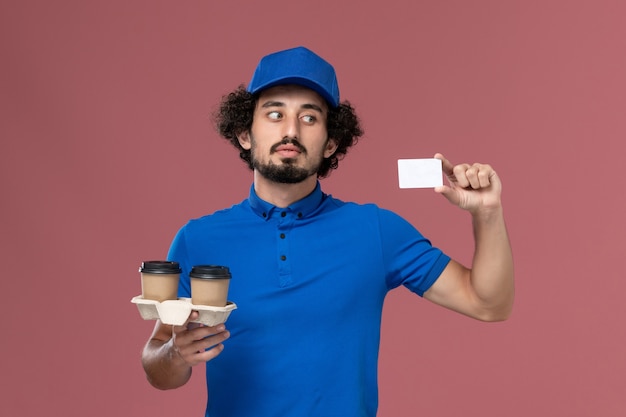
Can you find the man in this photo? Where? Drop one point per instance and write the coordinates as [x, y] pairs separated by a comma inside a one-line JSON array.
[[310, 272]]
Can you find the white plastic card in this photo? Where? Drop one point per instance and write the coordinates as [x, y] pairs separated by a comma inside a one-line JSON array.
[[420, 173]]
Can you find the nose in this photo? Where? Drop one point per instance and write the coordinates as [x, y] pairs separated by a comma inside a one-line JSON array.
[[291, 127]]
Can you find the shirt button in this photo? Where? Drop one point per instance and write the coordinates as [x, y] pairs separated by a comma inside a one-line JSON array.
[[299, 215], [283, 214], [264, 214], [283, 257], [282, 235]]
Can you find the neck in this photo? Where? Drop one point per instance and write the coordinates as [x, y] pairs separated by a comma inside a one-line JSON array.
[[282, 195]]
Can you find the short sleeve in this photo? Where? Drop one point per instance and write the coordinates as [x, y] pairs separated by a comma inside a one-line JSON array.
[[409, 257]]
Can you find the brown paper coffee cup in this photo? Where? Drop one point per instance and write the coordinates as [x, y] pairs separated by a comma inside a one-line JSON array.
[[159, 280], [209, 285]]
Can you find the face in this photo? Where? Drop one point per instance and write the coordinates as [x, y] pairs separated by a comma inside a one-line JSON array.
[[288, 139]]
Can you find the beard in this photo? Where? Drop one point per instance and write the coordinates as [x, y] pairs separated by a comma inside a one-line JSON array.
[[287, 172]]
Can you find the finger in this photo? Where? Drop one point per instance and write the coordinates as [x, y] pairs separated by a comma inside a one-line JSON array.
[[211, 341], [192, 323], [479, 176], [460, 175], [209, 354], [205, 349], [193, 358], [192, 344], [446, 166], [471, 174], [192, 335], [182, 337], [484, 175]]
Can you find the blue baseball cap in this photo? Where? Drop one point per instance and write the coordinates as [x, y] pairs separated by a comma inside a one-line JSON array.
[[299, 66]]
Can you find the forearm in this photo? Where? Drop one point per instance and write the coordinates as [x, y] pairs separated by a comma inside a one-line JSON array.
[[164, 367], [492, 274]]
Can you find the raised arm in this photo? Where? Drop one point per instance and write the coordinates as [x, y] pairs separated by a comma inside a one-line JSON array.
[[486, 291]]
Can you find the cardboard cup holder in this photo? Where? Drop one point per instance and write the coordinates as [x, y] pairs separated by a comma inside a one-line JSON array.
[[176, 312]]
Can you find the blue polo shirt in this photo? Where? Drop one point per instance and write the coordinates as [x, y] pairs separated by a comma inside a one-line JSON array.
[[309, 282]]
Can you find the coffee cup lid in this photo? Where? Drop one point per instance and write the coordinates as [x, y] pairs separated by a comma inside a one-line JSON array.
[[160, 267], [210, 272]]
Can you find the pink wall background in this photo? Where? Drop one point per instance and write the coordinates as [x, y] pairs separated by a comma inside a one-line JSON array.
[[107, 149]]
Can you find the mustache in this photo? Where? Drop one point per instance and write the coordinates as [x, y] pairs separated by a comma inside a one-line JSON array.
[[288, 141]]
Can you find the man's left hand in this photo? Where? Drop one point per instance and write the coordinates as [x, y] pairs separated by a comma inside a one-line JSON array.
[[472, 187]]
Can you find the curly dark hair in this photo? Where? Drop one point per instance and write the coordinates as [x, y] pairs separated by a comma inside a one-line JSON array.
[[236, 110]]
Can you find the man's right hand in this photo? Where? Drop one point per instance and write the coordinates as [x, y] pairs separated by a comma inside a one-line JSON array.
[[197, 343], [172, 351]]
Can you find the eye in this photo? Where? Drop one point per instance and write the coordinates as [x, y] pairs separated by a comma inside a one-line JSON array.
[[274, 115], [309, 118]]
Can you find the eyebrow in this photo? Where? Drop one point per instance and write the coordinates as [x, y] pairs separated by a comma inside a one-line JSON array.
[[310, 106]]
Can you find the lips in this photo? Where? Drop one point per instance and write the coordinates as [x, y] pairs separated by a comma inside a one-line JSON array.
[[288, 150], [288, 154]]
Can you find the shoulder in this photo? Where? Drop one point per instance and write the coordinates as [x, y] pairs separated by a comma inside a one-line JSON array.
[[351, 206], [236, 212], [365, 212]]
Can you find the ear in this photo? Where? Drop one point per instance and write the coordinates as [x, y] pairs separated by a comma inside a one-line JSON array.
[[244, 140], [331, 147]]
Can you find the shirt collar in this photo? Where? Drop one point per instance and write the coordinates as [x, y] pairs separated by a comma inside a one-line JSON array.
[[301, 208]]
